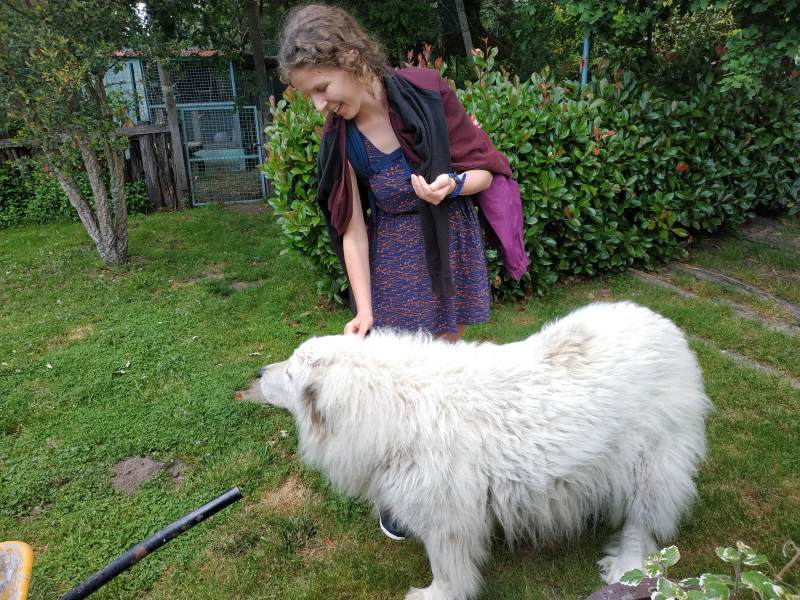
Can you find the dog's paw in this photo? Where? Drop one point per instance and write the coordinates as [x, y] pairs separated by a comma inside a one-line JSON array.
[[428, 593], [610, 571]]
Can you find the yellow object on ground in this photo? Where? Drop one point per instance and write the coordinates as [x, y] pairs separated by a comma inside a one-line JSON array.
[[16, 562]]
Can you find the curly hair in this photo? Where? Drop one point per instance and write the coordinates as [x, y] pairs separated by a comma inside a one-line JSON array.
[[320, 35]]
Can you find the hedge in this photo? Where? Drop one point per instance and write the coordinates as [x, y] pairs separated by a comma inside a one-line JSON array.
[[611, 176], [30, 195]]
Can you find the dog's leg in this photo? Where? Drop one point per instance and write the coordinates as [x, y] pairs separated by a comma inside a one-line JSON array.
[[663, 488], [627, 550], [456, 558]]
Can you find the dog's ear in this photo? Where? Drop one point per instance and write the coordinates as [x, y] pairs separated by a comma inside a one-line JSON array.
[[314, 356], [309, 396]]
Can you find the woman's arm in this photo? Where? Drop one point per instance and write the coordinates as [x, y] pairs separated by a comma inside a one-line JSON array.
[[356, 258], [476, 181]]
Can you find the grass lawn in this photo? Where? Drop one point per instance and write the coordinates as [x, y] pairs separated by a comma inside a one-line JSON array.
[[100, 364]]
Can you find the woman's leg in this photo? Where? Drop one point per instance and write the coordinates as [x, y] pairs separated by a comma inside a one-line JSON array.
[[453, 336]]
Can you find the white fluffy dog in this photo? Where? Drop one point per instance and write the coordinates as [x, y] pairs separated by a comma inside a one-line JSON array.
[[599, 415]]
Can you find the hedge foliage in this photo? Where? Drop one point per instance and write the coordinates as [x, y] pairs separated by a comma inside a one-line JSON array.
[[611, 176], [30, 195]]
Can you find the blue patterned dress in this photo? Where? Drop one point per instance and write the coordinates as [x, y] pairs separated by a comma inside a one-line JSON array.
[[402, 295]]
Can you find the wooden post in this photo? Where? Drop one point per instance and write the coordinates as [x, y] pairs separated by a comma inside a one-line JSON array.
[[181, 183], [150, 170], [164, 172]]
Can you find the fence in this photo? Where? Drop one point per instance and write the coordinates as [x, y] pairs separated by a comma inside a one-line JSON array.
[[12, 151], [221, 137], [148, 158]]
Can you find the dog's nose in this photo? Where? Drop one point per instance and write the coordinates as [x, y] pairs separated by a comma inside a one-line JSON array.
[[261, 371]]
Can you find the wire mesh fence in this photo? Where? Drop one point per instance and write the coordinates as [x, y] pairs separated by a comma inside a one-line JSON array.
[[222, 141], [223, 149]]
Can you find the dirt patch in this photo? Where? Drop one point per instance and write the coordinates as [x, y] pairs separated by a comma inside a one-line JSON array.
[[212, 273], [246, 285], [130, 474], [177, 471], [288, 499], [603, 294], [80, 332], [248, 208], [318, 549]]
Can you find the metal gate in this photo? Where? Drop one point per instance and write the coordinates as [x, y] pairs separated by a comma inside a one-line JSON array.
[[221, 141], [223, 152]]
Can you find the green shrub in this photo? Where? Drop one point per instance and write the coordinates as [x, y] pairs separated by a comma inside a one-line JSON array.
[[611, 176], [291, 167], [12, 195], [29, 194], [745, 582]]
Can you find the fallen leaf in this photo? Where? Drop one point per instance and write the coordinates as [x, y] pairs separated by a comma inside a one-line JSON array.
[[255, 354], [49, 366]]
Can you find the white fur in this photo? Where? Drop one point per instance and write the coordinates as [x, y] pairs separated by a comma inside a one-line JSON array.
[[599, 415]]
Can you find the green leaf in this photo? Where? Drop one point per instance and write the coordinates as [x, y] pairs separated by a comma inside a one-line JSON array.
[[670, 556], [728, 554], [670, 589], [753, 560], [715, 590], [761, 584], [633, 577]]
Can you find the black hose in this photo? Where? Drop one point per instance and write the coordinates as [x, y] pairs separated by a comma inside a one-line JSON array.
[[154, 542]]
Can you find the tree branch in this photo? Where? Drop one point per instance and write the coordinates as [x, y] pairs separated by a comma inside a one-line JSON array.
[[78, 202]]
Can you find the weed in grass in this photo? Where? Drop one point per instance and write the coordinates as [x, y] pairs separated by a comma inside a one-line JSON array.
[[241, 543], [296, 533], [220, 287]]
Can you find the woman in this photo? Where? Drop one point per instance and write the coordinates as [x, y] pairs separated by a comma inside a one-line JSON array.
[[398, 164]]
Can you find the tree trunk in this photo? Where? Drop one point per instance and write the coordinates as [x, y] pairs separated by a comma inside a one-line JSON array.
[[115, 163], [254, 24], [464, 25], [181, 183], [112, 246], [110, 250], [116, 167]]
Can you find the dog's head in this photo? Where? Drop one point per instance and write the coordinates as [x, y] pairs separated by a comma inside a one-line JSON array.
[[295, 384]]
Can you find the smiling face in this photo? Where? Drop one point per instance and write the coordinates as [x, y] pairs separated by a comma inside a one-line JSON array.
[[330, 89]]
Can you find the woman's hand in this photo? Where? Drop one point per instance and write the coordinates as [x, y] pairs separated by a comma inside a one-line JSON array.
[[359, 325], [434, 192]]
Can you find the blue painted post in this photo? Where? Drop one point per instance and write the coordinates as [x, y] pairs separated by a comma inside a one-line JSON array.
[[585, 63]]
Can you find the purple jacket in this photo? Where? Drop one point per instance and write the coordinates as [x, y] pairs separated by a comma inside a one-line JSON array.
[[501, 207]]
